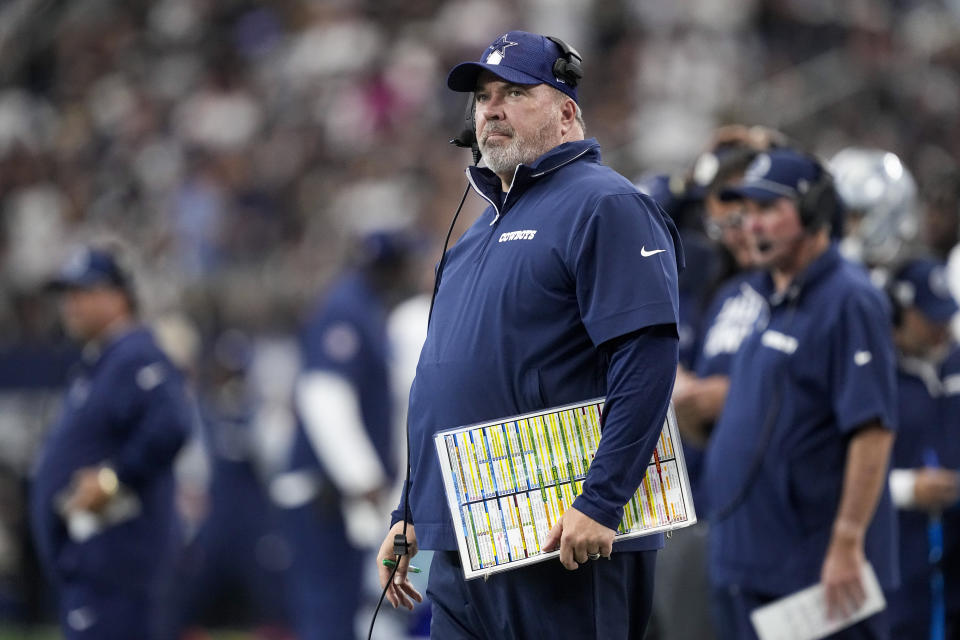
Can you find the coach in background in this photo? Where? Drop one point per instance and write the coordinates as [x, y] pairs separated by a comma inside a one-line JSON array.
[[102, 499], [924, 481], [797, 463], [565, 289], [342, 462]]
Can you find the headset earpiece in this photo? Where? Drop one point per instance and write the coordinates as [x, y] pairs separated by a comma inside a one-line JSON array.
[[568, 66], [818, 205], [896, 309], [900, 295]]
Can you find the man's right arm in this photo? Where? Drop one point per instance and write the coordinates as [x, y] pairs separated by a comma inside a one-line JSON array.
[[863, 482], [157, 393]]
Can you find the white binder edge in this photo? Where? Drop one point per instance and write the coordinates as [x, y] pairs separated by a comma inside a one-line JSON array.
[[670, 424]]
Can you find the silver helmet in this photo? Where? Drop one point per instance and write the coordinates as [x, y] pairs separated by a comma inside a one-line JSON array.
[[880, 197]]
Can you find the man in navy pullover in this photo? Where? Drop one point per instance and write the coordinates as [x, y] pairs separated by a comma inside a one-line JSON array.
[[564, 290], [102, 509]]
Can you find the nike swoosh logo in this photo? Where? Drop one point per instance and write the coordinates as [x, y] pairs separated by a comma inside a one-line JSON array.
[[647, 254]]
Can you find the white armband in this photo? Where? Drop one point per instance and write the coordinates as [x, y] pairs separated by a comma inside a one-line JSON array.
[[902, 482]]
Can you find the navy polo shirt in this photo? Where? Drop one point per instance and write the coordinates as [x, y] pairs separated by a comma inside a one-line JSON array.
[[126, 406], [346, 334], [819, 365], [570, 258]]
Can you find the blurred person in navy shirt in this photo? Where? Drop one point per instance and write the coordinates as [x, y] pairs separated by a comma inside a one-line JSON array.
[[102, 498], [796, 465], [342, 462], [924, 481]]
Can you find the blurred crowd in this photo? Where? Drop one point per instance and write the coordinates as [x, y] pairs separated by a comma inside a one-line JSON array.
[[237, 147]]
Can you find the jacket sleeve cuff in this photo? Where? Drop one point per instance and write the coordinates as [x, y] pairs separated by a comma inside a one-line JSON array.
[[590, 508], [397, 514]]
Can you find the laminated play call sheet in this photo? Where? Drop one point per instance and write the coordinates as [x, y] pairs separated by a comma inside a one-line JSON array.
[[509, 481]]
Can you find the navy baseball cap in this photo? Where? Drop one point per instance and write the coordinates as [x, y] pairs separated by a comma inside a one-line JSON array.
[[516, 56], [384, 247], [671, 191], [779, 173], [922, 284], [90, 268]]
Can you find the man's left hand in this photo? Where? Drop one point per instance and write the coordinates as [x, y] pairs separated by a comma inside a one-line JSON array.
[[840, 576], [86, 492], [578, 536]]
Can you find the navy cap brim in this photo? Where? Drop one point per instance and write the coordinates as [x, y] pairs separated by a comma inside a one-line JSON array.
[[744, 192], [939, 311], [69, 284], [463, 77]]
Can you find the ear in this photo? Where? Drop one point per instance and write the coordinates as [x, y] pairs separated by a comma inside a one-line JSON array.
[[568, 115]]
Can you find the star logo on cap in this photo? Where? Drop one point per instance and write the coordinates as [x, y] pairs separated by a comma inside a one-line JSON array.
[[759, 168], [938, 283], [76, 264], [499, 47]]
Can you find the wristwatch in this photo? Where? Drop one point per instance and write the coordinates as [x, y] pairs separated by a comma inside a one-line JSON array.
[[107, 479]]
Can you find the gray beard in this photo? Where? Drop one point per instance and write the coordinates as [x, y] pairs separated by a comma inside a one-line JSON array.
[[503, 158]]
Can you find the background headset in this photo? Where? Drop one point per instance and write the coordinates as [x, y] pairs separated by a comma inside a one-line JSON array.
[[568, 68], [819, 204]]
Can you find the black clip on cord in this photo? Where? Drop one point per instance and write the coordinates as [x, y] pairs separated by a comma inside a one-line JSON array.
[[401, 546]]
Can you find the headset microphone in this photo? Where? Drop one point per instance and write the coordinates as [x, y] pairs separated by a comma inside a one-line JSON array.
[[465, 140], [468, 140], [468, 136]]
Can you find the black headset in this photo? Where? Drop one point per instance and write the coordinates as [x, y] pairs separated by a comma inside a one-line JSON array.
[[568, 67], [819, 203]]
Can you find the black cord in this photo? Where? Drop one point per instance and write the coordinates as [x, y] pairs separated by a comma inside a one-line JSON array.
[[766, 433], [443, 255], [406, 482], [383, 594], [756, 463]]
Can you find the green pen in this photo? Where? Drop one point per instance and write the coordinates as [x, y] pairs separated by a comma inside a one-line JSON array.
[[387, 562]]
